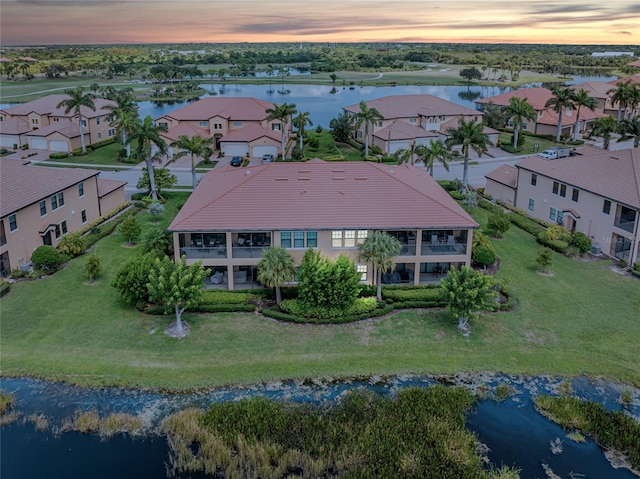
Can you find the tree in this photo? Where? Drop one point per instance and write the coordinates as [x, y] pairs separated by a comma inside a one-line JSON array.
[[123, 117], [78, 99], [155, 209], [92, 267], [176, 286], [471, 73], [158, 241], [562, 99], [581, 99], [493, 117], [333, 77], [604, 127], [130, 229], [499, 223], [544, 259], [132, 278], [366, 116], [379, 250], [517, 111], [276, 268], [435, 151], [300, 122], [405, 155], [194, 146], [469, 134], [150, 145], [283, 113], [466, 292], [484, 256], [72, 244], [621, 95], [630, 128], [163, 177], [341, 127], [46, 257]]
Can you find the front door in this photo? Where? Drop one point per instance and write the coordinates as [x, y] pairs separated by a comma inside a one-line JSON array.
[[46, 239]]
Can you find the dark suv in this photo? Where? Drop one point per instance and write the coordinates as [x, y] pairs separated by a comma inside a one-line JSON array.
[[236, 161]]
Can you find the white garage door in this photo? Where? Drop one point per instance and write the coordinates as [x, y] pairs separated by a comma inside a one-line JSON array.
[[398, 145], [58, 146], [265, 150], [38, 143], [235, 149], [7, 141]]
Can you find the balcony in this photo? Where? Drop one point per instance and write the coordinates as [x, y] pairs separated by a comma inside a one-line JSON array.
[[407, 241], [444, 242], [625, 224], [204, 252], [250, 245]]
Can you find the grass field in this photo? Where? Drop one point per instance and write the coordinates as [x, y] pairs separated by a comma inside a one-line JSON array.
[[582, 320]]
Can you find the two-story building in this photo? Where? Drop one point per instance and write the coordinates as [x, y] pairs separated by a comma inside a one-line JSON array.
[[39, 205], [41, 124], [235, 213], [239, 126]]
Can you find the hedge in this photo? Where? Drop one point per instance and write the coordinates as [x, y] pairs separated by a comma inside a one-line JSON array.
[[5, 287], [411, 294], [282, 316], [59, 155], [226, 297], [159, 310], [556, 245], [102, 143]]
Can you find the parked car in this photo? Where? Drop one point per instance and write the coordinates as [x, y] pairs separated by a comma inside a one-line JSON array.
[[555, 153], [268, 158], [236, 161]]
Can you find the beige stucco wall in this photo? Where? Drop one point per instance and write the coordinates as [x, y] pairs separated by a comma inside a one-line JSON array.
[[111, 201], [499, 191]]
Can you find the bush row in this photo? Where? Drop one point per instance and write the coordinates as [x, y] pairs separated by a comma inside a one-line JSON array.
[[5, 287], [282, 316], [226, 297], [412, 294], [101, 219], [159, 310]]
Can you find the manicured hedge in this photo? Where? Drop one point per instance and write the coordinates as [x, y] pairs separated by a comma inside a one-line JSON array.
[[226, 297], [556, 245], [412, 294], [5, 287]]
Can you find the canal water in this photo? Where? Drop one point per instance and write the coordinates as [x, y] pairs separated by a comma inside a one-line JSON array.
[[513, 431]]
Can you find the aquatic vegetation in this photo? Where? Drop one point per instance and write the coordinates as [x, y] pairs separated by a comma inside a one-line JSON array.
[[503, 391], [120, 422], [6, 402], [40, 422]]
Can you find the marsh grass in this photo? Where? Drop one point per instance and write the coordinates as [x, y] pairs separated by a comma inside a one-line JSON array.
[[6, 402], [502, 392], [40, 422], [117, 423]]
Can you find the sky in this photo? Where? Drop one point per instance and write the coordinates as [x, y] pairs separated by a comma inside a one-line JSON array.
[[38, 22]]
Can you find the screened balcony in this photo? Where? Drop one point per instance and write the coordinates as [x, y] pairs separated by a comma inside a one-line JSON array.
[[407, 241], [444, 242], [250, 245]]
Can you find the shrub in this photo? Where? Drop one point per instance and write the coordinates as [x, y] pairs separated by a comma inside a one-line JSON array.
[[545, 258], [581, 241], [556, 245], [527, 224], [484, 255], [59, 155], [79, 152], [5, 287], [499, 222], [404, 294], [100, 144], [456, 195], [557, 233], [92, 267], [132, 278], [226, 297], [72, 244], [46, 257]]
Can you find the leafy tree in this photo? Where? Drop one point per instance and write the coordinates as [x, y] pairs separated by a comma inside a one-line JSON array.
[[92, 267], [333, 77], [46, 257], [581, 99], [544, 259], [581, 241], [276, 268], [466, 292], [484, 256], [78, 99], [471, 73], [130, 229], [300, 122], [341, 127], [72, 244], [469, 134], [123, 117], [405, 155], [194, 146], [435, 151], [176, 286], [630, 128], [604, 127], [379, 250], [621, 95], [493, 117], [155, 209], [163, 177], [517, 111], [561, 100], [283, 113], [366, 116], [132, 278], [499, 223], [150, 146], [157, 240]]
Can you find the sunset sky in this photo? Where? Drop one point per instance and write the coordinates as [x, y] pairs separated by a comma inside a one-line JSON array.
[[32, 22]]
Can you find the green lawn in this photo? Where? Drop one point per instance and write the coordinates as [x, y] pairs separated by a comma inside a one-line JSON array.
[[583, 320], [106, 155], [330, 149], [529, 143]]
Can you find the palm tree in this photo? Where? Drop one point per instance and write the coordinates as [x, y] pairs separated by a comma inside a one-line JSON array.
[[621, 95], [367, 116], [518, 110], [283, 113], [195, 146], [435, 151], [562, 99], [150, 146], [123, 117], [276, 268], [630, 128], [469, 134], [407, 154], [77, 99], [604, 127], [300, 122], [379, 249], [581, 98]]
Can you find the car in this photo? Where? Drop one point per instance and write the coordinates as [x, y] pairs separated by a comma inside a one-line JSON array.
[[236, 161], [268, 158]]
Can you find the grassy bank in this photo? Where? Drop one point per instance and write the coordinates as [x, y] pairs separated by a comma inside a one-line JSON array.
[[580, 321]]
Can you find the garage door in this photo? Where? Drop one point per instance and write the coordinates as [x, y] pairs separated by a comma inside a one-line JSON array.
[[58, 146], [235, 149], [7, 141], [38, 143], [260, 151], [398, 145]]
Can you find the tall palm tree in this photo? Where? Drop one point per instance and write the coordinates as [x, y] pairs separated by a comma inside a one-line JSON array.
[[367, 116], [77, 99], [630, 128], [518, 110], [195, 146], [435, 151], [469, 134], [581, 99], [379, 249], [407, 154], [276, 268], [561, 100], [150, 146], [283, 113], [621, 95], [300, 122], [123, 116], [634, 101], [604, 127]]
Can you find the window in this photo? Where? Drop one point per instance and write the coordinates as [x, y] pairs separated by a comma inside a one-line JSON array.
[[606, 207], [239, 124], [81, 189], [559, 189], [204, 123], [64, 227], [98, 121], [83, 215], [362, 269], [57, 201], [13, 223], [556, 187], [43, 208], [534, 179], [57, 231], [312, 239], [379, 123], [99, 136], [275, 126], [563, 190], [553, 214], [574, 195], [299, 239], [163, 124], [84, 122], [217, 126], [56, 120], [111, 132], [412, 120], [560, 218], [285, 239], [34, 121], [348, 238], [532, 203], [3, 236]]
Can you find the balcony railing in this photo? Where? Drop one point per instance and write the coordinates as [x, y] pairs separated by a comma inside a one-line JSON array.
[[408, 249], [206, 252], [247, 251], [444, 249], [624, 224]]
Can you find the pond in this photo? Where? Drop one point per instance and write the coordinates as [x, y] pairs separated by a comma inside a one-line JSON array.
[[514, 432]]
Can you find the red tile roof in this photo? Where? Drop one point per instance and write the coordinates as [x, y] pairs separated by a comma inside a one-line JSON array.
[[14, 126], [107, 186], [407, 106], [537, 97], [233, 109], [251, 133], [319, 195], [47, 105], [550, 117], [505, 174], [22, 185], [596, 89], [610, 174], [635, 79], [186, 129], [64, 127], [401, 130]]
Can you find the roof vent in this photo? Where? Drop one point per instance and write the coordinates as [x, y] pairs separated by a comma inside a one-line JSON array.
[[304, 171], [360, 178], [338, 177], [337, 171], [282, 179], [615, 157], [248, 172], [304, 178]]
